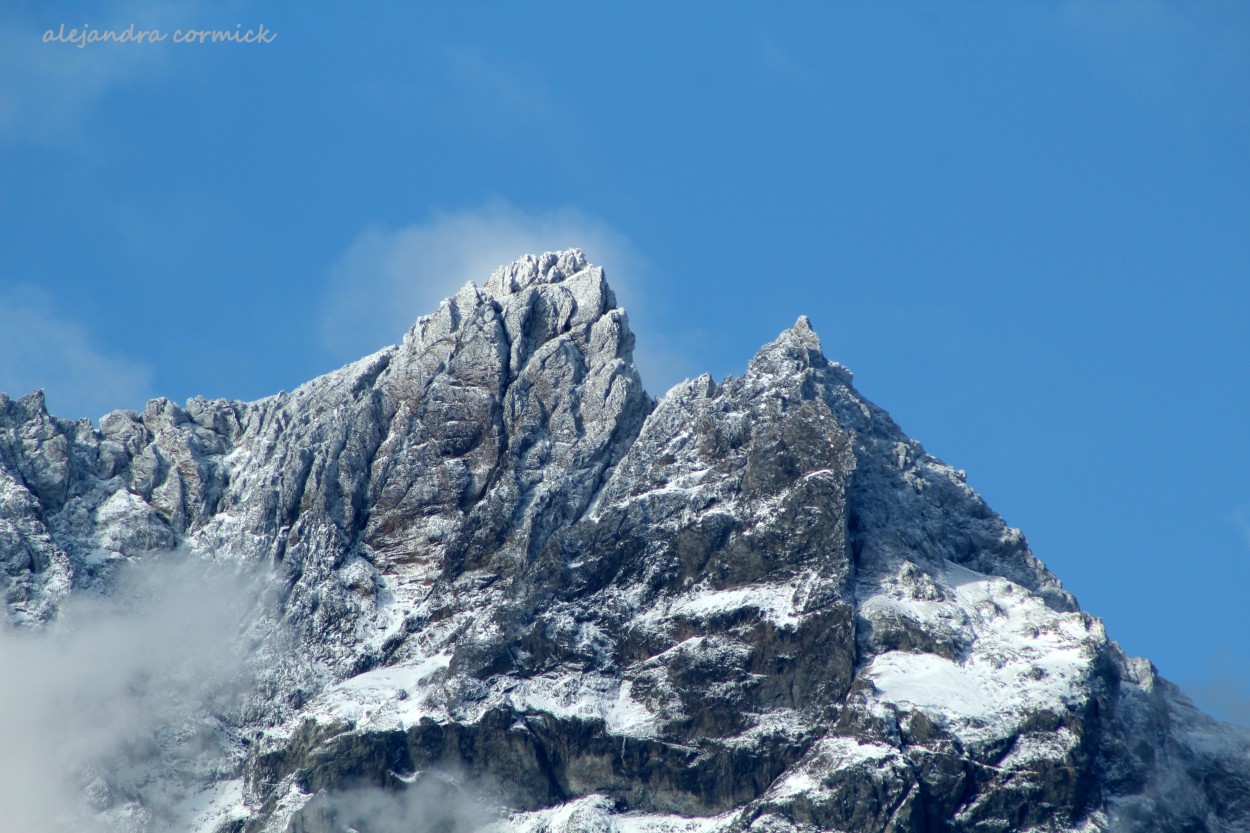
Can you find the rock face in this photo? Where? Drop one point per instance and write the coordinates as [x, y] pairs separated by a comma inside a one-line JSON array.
[[511, 589]]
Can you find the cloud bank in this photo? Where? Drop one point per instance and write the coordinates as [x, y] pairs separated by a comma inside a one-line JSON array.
[[439, 802], [121, 707]]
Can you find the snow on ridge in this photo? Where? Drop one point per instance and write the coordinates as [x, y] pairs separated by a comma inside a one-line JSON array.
[[1048, 746], [390, 697], [1023, 656], [587, 697], [595, 813], [932, 683], [828, 755], [214, 808], [399, 696], [775, 603]]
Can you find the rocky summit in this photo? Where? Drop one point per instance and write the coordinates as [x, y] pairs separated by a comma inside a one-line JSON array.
[[494, 585]]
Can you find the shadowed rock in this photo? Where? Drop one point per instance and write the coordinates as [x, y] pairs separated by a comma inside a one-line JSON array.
[[506, 576]]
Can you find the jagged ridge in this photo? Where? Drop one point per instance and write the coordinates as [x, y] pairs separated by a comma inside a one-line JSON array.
[[758, 603]]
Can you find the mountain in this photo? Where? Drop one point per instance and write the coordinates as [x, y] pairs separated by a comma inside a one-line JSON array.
[[483, 579]]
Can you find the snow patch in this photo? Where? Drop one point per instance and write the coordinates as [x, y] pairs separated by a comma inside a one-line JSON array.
[[931, 682], [208, 811], [587, 697], [827, 756], [774, 602], [392, 697], [1024, 657], [594, 814]]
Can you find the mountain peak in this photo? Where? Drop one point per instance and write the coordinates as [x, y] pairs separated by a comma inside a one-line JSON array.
[[535, 270], [794, 351], [802, 340], [753, 606], [803, 329]]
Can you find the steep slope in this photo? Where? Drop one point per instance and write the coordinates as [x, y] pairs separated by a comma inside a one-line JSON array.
[[510, 587]]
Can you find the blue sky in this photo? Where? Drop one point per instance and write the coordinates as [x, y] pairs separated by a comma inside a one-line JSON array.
[[1025, 227]]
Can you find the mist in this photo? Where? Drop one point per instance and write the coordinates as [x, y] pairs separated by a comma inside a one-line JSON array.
[[1222, 692], [438, 802], [124, 705]]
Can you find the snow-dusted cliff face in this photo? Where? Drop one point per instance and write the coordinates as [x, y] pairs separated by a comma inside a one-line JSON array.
[[498, 586]]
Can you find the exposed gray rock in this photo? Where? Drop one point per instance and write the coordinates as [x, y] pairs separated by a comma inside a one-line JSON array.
[[505, 576]]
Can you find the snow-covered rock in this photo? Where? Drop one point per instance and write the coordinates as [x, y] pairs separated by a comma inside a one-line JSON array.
[[502, 577]]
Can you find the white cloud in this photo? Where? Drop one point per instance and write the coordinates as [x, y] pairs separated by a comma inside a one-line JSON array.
[[389, 277], [48, 91], [116, 707], [39, 349], [439, 800]]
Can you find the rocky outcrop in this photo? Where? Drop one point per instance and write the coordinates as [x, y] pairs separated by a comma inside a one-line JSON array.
[[506, 579]]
